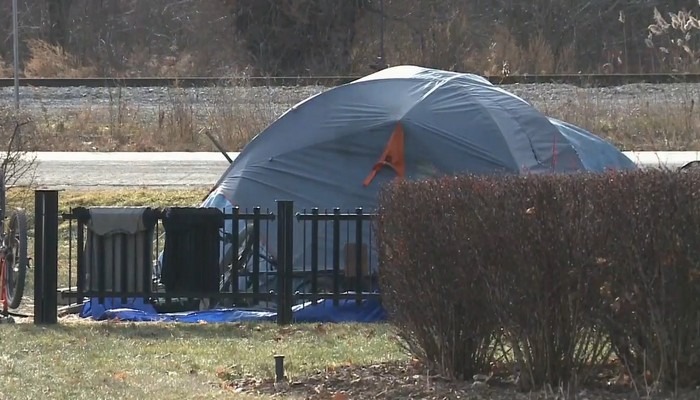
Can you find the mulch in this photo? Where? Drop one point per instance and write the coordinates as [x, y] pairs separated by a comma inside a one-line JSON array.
[[411, 380]]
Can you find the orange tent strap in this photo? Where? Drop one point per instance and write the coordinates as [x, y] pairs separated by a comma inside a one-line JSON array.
[[392, 157]]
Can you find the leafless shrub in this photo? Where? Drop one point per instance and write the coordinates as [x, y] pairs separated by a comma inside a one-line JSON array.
[[430, 286], [651, 292], [566, 269], [468, 262], [16, 133]]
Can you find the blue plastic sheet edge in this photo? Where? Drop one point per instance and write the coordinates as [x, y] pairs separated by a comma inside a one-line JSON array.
[[136, 310]]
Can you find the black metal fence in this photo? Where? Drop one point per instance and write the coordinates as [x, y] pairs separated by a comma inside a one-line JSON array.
[[181, 259]]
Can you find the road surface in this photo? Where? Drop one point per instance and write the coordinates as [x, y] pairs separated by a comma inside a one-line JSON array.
[[60, 170]]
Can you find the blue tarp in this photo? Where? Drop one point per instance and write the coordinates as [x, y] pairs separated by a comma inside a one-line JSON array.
[[136, 310]]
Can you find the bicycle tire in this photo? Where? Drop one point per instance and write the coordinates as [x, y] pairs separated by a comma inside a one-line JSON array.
[[3, 199], [16, 268]]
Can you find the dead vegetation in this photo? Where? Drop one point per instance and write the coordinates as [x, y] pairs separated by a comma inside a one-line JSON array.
[[5, 69], [677, 42], [16, 141], [319, 37], [122, 38], [234, 118], [47, 60], [606, 299], [668, 123], [175, 124]]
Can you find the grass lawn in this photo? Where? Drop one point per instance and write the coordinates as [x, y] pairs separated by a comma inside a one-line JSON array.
[[177, 361], [22, 197]]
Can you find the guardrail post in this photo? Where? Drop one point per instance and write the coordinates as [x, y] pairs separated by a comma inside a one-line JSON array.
[[45, 256], [285, 259]]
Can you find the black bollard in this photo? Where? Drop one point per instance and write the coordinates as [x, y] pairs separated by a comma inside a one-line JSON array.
[[279, 368]]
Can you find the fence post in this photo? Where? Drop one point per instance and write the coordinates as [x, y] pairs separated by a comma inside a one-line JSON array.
[[285, 259], [45, 256]]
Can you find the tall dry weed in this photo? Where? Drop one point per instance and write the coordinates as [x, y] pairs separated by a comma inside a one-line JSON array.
[[677, 43], [47, 60], [663, 124], [232, 115]]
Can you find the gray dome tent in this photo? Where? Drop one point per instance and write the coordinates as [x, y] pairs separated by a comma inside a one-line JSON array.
[[337, 149]]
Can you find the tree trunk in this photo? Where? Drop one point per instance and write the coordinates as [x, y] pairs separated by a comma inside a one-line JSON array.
[[58, 11]]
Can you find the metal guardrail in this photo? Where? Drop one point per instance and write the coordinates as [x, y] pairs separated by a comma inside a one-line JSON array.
[[594, 80]]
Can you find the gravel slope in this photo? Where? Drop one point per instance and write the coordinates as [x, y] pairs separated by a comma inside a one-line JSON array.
[[280, 98]]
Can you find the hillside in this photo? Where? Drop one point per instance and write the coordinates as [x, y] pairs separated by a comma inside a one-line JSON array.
[[80, 38]]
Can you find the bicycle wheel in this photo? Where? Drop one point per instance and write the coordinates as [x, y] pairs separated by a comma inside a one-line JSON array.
[[2, 200], [16, 258]]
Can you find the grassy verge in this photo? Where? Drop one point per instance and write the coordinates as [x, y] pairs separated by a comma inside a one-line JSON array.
[[665, 124], [235, 116], [232, 115], [22, 197], [172, 361]]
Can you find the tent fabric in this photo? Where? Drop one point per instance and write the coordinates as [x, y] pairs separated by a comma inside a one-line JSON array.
[[320, 152]]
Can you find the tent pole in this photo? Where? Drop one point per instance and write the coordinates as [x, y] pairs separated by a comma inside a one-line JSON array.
[[217, 144]]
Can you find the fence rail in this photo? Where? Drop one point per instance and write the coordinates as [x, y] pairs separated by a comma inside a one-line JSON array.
[[178, 259], [198, 82]]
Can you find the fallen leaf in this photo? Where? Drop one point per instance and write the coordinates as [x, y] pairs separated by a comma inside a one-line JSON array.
[[340, 396], [120, 376]]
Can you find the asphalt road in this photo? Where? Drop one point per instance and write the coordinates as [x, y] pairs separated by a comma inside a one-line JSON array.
[[59, 170]]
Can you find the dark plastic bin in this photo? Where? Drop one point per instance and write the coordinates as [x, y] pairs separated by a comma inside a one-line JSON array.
[[191, 252]]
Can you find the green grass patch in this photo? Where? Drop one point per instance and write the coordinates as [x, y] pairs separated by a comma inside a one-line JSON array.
[[22, 197], [169, 361]]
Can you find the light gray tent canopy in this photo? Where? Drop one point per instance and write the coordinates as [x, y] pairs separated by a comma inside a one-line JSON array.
[[338, 148]]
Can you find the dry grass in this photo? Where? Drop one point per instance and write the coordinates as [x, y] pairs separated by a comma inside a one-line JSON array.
[[174, 125], [47, 60], [22, 197], [5, 69], [666, 123], [677, 42], [173, 361], [662, 125]]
